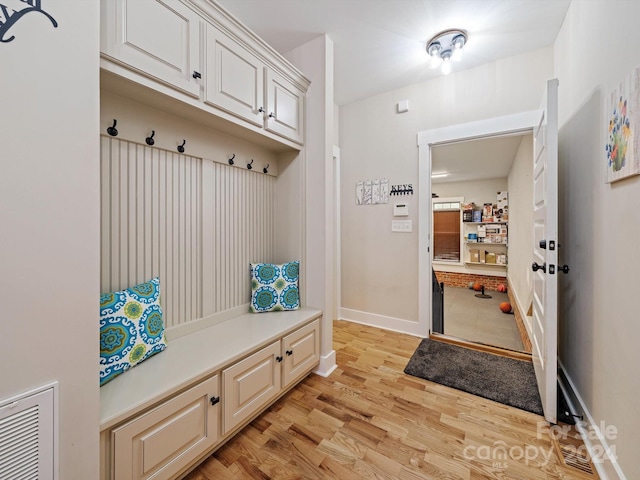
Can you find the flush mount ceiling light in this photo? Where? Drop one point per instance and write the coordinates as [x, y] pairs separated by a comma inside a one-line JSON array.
[[445, 47]]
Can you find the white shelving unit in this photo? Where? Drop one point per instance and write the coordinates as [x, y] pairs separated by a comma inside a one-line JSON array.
[[498, 248]]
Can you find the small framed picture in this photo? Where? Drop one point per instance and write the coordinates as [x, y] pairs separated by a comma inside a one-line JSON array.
[[623, 129]]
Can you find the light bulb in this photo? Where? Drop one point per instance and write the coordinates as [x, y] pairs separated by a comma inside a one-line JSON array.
[[458, 43], [433, 50], [446, 62]]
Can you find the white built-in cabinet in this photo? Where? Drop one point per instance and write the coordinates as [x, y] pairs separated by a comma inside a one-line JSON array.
[[190, 58], [249, 384], [285, 107], [301, 352], [158, 444], [158, 38], [234, 78], [258, 379], [173, 43]]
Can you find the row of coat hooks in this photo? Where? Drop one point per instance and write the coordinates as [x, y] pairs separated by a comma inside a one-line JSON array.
[[150, 141], [249, 165]]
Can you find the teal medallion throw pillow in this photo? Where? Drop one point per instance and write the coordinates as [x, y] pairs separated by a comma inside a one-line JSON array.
[[274, 287], [131, 328]]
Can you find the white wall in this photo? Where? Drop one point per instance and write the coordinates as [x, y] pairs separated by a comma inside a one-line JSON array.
[[520, 188], [599, 224], [380, 268], [478, 191], [50, 217], [315, 59], [336, 125]]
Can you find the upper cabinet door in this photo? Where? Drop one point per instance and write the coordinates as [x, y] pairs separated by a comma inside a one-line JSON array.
[[234, 79], [285, 108], [159, 38]]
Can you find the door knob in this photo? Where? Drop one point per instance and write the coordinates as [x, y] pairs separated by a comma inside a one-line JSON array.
[[563, 268], [535, 267]]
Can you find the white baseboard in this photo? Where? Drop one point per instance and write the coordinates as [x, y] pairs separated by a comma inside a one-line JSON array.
[[594, 440], [526, 320], [327, 364], [388, 323]]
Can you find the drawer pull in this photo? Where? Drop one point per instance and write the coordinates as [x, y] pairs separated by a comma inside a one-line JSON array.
[[289, 353], [215, 400]]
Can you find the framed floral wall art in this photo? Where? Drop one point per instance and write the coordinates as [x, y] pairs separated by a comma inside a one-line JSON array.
[[623, 129]]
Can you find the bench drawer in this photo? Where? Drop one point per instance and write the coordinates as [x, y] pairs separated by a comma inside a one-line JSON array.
[[157, 444]]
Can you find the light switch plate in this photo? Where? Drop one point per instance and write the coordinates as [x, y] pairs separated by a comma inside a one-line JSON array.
[[402, 226]]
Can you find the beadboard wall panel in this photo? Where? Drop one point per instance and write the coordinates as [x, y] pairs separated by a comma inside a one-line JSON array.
[[195, 223]]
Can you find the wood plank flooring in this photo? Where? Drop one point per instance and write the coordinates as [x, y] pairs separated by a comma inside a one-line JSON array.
[[368, 420]]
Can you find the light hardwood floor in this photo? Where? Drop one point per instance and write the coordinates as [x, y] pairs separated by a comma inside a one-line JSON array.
[[370, 420]]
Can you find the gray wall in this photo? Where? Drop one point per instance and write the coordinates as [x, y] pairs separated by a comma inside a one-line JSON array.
[[599, 223], [50, 221], [380, 268]]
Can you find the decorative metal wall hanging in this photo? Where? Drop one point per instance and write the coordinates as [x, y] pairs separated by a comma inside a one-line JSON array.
[[9, 16]]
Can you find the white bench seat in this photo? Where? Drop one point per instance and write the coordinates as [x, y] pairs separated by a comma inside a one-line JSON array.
[[192, 358]]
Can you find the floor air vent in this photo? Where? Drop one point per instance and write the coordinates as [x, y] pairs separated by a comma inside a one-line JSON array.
[[573, 453], [27, 436]]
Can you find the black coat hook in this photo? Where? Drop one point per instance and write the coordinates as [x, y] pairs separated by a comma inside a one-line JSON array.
[[266, 169], [150, 141], [181, 147], [231, 162], [249, 167], [112, 130]]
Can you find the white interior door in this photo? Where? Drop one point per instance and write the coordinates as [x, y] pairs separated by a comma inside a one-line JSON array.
[[545, 250]]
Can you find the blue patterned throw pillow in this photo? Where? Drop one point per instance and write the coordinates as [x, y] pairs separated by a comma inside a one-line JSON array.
[[274, 287], [131, 328]]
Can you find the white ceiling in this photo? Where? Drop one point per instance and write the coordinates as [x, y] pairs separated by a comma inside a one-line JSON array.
[[475, 159], [379, 45]]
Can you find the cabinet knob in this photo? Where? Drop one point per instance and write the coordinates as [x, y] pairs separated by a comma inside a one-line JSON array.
[[196, 74], [289, 353], [279, 358], [272, 115], [563, 269], [215, 400], [261, 110]]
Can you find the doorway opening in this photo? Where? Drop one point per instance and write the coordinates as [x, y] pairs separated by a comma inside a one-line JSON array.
[[471, 164], [482, 212]]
